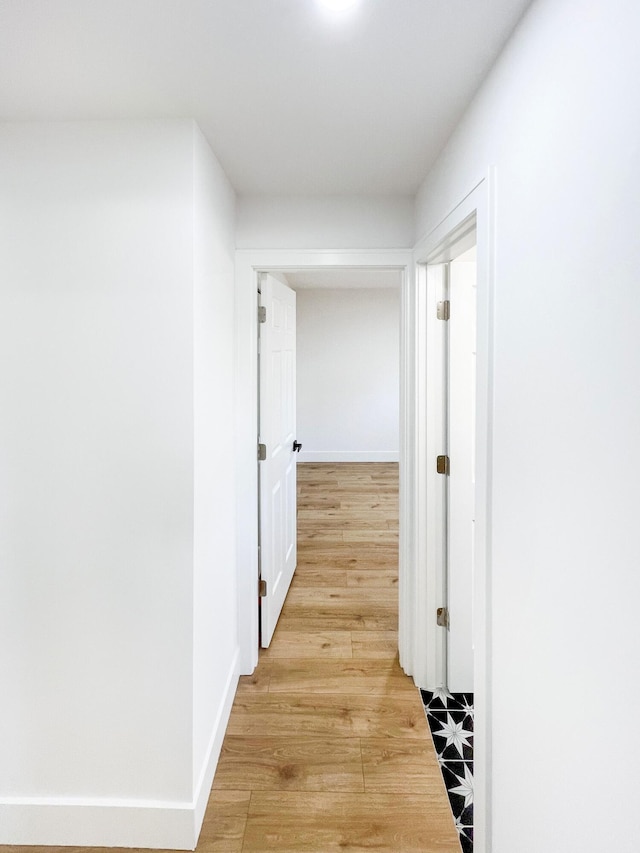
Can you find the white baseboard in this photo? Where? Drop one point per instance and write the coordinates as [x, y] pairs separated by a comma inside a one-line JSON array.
[[80, 822], [348, 456], [95, 823], [203, 787]]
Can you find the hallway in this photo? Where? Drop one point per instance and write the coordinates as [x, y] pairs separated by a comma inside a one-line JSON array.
[[327, 747]]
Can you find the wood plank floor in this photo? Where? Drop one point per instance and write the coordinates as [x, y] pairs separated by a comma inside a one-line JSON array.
[[327, 748]]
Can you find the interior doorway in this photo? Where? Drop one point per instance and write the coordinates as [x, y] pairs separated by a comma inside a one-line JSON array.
[[452, 276], [249, 263], [341, 327], [424, 652]]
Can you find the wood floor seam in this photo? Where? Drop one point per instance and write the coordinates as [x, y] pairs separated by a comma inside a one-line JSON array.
[[364, 781]]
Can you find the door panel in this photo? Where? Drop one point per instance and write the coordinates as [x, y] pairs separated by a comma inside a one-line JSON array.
[[461, 486], [277, 432]]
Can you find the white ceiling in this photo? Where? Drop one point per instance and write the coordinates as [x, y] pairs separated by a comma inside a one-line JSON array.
[[291, 100]]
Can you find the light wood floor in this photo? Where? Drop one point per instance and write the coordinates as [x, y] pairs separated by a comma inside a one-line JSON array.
[[328, 749]]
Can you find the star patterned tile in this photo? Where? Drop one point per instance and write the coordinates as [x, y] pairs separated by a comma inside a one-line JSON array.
[[452, 734], [466, 839], [441, 699], [450, 718]]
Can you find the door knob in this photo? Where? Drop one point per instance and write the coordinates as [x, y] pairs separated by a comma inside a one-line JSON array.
[[297, 447]]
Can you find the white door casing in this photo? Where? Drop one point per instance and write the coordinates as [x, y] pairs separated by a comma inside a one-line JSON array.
[[461, 485], [277, 425], [249, 264], [421, 659]]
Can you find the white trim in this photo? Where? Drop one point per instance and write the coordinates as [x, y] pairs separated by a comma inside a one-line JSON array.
[[432, 560], [407, 469], [97, 823], [348, 456], [104, 822], [248, 263], [437, 236], [205, 780], [481, 201]]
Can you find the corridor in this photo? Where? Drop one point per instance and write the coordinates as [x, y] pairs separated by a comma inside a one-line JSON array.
[[327, 747]]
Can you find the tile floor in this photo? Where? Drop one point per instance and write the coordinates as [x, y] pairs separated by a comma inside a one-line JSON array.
[[450, 718]]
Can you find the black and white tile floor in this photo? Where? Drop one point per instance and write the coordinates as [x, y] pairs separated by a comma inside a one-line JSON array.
[[450, 717]]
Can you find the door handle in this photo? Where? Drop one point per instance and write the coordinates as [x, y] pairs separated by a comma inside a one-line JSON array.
[[297, 447]]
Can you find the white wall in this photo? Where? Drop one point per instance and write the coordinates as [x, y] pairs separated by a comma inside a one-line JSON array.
[[331, 222], [98, 642], [215, 630], [559, 119], [348, 374]]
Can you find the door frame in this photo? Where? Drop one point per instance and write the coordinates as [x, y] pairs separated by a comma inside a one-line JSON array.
[[423, 650], [249, 263]]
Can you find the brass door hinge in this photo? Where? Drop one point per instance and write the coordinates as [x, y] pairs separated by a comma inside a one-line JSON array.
[[442, 465], [262, 588]]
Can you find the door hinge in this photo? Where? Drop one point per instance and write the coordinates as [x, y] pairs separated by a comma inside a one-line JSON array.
[[262, 314], [442, 465], [262, 588], [262, 452], [444, 310], [442, 617]]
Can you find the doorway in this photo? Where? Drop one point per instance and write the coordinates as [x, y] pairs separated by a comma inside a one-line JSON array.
[[450, 280], [461, 452], [344, 338], [249, 263], [422, 642]]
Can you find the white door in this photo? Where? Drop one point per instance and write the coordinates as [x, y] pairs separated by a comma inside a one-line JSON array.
[[461, 485], [277, 432]]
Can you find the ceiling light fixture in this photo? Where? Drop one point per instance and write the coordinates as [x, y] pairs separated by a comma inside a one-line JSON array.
[[337, 5]]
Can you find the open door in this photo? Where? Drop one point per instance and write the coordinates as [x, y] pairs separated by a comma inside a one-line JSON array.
[[461, 486], [450, 454], [277, 442]]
